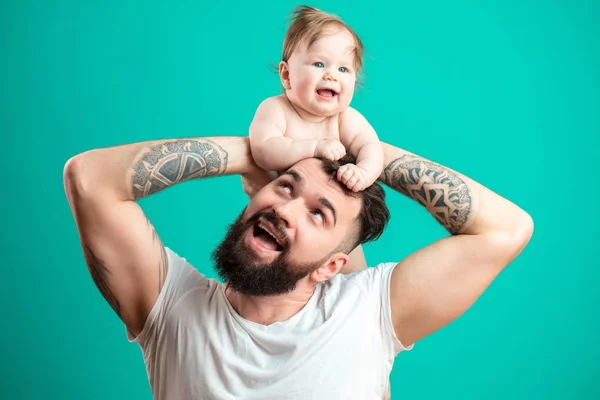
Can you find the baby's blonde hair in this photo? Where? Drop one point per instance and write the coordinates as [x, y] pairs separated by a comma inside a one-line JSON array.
[[310, 24]]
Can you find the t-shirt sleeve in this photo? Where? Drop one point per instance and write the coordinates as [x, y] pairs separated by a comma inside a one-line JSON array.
[[375, 281], [181, 278]]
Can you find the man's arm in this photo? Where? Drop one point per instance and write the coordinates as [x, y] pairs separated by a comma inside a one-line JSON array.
[[435, 285], [123, 252]]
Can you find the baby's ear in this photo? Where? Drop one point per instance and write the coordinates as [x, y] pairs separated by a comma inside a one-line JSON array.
[[284, 75]]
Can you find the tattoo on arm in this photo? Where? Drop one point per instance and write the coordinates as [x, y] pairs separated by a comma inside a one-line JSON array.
[[172, 162], [442, 192], [100, 275], [162, 166]]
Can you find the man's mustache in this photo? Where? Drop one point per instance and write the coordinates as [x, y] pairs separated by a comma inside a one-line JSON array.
[[270, 216]]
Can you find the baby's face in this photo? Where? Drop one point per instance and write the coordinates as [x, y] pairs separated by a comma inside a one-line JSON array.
[[322, 77]]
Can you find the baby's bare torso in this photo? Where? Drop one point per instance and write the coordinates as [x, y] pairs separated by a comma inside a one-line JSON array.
[[297, 128]]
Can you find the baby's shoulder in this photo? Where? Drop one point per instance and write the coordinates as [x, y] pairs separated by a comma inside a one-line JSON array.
[[272, 102], [276, 104], [283, 103], [350, 113], [270, 109]]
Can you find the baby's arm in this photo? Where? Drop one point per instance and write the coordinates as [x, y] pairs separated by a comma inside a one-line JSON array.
[[271, 150], [359, 137]]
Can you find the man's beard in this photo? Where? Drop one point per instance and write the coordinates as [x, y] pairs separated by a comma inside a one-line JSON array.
[[238, 265]]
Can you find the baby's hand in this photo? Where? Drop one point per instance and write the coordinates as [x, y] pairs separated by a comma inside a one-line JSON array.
[[330, 149], [355, 178]]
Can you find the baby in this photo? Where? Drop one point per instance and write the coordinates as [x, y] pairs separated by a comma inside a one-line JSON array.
[[322, 57]]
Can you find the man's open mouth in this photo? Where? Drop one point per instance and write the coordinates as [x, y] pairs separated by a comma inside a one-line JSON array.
[[267, 237], [327, 93]]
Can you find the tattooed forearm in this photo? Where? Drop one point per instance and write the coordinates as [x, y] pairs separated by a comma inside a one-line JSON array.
[[442, 192], [100, 275], [172, 162]]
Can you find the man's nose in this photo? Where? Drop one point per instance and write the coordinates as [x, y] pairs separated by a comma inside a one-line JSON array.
[[286, 212]]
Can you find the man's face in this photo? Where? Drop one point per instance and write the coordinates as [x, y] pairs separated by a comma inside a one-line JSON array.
[[290, 228]]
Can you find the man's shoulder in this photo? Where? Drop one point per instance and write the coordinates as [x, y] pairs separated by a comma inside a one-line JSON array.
[[368, 278], [373, 271], [182, 271]]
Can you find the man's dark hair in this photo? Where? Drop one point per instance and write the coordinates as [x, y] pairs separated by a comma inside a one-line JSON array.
[[374, 213]]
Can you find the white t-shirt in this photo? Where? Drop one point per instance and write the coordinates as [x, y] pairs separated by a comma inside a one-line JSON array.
[[341, 345]]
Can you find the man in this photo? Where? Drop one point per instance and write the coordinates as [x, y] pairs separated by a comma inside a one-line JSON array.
[[285, 325]]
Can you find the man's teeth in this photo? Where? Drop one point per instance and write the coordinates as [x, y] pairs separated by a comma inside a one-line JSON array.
[[261, 226]]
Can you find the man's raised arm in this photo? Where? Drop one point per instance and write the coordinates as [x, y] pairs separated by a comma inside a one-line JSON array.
[[435, 285], [123, 252]]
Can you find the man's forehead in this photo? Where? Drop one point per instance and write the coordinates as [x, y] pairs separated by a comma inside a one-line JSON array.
[[309, 174], [309, 170]]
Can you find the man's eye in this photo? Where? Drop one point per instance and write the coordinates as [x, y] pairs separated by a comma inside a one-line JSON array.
[[319, 215], [286, 187]]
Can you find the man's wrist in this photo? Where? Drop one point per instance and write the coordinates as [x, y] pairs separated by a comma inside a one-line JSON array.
[[237, 154]]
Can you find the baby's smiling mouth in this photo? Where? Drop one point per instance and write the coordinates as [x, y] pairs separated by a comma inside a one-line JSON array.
[[326, 93]]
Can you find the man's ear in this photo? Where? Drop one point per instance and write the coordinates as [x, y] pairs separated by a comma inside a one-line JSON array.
[[330, 268], [284, 75]]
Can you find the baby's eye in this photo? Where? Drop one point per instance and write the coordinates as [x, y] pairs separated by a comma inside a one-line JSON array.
[[343, 69], [318, 64]]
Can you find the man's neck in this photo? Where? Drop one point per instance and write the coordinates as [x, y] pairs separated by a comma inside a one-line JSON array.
[[266, 310]]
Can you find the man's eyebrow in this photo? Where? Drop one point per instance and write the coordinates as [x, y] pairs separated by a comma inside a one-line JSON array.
[[296, 176], [328, 204], [300, 181]]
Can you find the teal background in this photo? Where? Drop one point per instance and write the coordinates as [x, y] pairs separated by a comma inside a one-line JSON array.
[[506, 92]]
